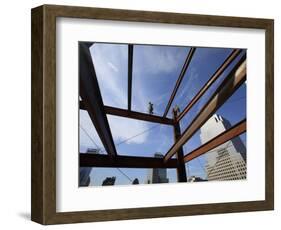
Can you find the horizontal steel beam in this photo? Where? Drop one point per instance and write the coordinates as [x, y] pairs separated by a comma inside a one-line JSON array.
[[179, 80], [225, 136], [138, 116], [91, 96], [215, 76], [232, 82], [100, 160], [134, 115]]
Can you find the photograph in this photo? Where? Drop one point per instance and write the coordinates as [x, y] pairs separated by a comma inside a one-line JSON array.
[[152, 114], [176, 108]]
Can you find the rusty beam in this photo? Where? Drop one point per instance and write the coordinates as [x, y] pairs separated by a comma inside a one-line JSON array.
[[81, 105], [225, 136], [91, 97], [134, 115], [130, 74], [230, 84], [181, 76], [139, 116], [181, 171], [100, 160], [214, 77]]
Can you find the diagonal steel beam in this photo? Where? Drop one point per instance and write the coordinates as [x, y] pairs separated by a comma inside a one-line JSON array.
[[130, 73], [232, 82], [225, 136], [215, 76], [91, 96], [181, 76], [100, 160]]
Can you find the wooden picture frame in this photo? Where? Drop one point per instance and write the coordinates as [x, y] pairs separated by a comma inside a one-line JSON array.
[[43, 208]]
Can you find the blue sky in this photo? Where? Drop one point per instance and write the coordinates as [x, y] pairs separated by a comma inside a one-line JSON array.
[[155, 70]]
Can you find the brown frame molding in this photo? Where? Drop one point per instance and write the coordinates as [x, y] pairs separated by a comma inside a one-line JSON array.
[[43, 169]]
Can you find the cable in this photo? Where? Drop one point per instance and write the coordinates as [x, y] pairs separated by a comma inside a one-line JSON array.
[[102, 150], [89, 136], [147, 130], [124, 174]]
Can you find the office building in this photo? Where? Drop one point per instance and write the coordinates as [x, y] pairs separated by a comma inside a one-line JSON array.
[[227, 161], [157, 175], [84, 172], [84, 176]]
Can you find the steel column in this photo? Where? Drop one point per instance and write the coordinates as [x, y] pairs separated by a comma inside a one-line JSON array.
[[181, 171], [235, 79]]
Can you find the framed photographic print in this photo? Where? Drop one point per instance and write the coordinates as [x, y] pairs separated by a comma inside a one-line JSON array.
[[140, 114]]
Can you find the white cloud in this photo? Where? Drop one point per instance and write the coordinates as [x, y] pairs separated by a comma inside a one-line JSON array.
[[111, 68], [88, 135], [151, 65], [109, 63], [158, 59]]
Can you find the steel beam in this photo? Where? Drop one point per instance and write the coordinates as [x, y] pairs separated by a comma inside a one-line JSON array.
[[100, 160], [215, 76], [134, 115], [130, 73], [181, 171], [91, 97], [82, 106], [232, 82], [225, 136], [181, 76]]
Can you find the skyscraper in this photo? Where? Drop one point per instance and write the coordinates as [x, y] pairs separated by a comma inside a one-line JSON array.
[[84, 172], [157, 175], [84, 176], [227, 161]]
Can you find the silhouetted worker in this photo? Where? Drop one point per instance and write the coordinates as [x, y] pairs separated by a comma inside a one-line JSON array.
[[150, 108], [176, 111]]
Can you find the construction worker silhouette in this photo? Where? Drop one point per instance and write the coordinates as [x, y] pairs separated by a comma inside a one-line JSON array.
[[176, 109], [150, 108]]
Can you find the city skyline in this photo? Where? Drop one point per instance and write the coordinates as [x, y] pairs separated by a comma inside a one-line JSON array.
[[99, 174]]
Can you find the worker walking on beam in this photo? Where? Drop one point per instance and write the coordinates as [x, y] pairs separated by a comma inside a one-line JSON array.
[[150, 108]]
